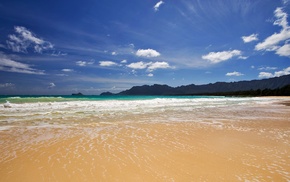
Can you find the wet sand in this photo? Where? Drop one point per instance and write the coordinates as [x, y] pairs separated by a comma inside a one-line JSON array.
[[207, 146]]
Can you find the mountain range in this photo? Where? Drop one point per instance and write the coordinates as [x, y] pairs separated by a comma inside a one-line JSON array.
[[218, 87]]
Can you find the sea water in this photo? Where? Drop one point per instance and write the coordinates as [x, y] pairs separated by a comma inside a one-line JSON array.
[[62, 98], [110, 108]]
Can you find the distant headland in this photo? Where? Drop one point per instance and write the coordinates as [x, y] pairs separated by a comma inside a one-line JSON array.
[[278, 86], [77, 94]]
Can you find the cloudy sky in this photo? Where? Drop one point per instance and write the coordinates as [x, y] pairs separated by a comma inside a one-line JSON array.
[[93, 46]]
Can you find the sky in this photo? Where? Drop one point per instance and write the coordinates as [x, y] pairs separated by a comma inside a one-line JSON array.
[[93, 46]]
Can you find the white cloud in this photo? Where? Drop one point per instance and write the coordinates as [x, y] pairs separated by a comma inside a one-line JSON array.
[[6, 85], [138, 65], [150, 66], [67, 70], [284, 50], [9, 65], [158, 65], [243, 57], [81, 63], [217, 57], [272, 42], [150, 75], [84, 63], [147, 53], [267, 68], [25, 39], [107, 63], [27, 35], [51, 85], [250, 38], [265, 75], [281, 18], [285, 71], [114, 53], [124, 61], [58, 53], [157, 5], [134, 72], [235, 73]]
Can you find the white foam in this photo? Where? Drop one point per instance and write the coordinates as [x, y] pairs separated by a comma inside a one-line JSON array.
[[117, 108], [7, 104]]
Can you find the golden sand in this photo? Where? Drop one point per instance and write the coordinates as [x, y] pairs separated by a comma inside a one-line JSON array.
[[229, 150]]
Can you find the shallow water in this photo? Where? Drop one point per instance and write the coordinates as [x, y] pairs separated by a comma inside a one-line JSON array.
[[114, 109], [161, 139]]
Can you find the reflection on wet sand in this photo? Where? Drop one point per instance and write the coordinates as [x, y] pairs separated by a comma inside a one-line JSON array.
[[220, 144]]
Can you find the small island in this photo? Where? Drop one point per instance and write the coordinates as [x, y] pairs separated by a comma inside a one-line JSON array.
[[77, 94]]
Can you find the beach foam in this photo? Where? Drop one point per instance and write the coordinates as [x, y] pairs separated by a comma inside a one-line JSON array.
[[115, 108]]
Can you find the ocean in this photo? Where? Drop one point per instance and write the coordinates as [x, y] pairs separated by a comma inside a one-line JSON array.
[[62, 98], [144, 138], [112, 108]]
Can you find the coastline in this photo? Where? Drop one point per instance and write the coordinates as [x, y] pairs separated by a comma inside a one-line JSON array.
[[204, 143]]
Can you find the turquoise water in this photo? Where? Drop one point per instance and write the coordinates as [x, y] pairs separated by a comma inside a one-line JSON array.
[[64, 98]]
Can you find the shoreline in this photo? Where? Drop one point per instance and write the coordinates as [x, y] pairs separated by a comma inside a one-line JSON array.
[[240, 143]]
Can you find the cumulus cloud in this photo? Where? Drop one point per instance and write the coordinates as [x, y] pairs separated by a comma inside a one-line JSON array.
[[285, 71], [10, 65], [23, 39], [272, 43], [250, 38], [235, 73], [265, 75], [150, 66], [84, 63], [157, 5], [138, 65], [107, 63], [217, 57], [147, 53], [284, 50], [150, 75], [157, 65]]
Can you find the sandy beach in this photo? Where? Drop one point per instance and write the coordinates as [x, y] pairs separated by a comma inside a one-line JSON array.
[[212, 144]]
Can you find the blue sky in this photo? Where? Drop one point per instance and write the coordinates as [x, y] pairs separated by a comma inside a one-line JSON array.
[[93, 46]]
